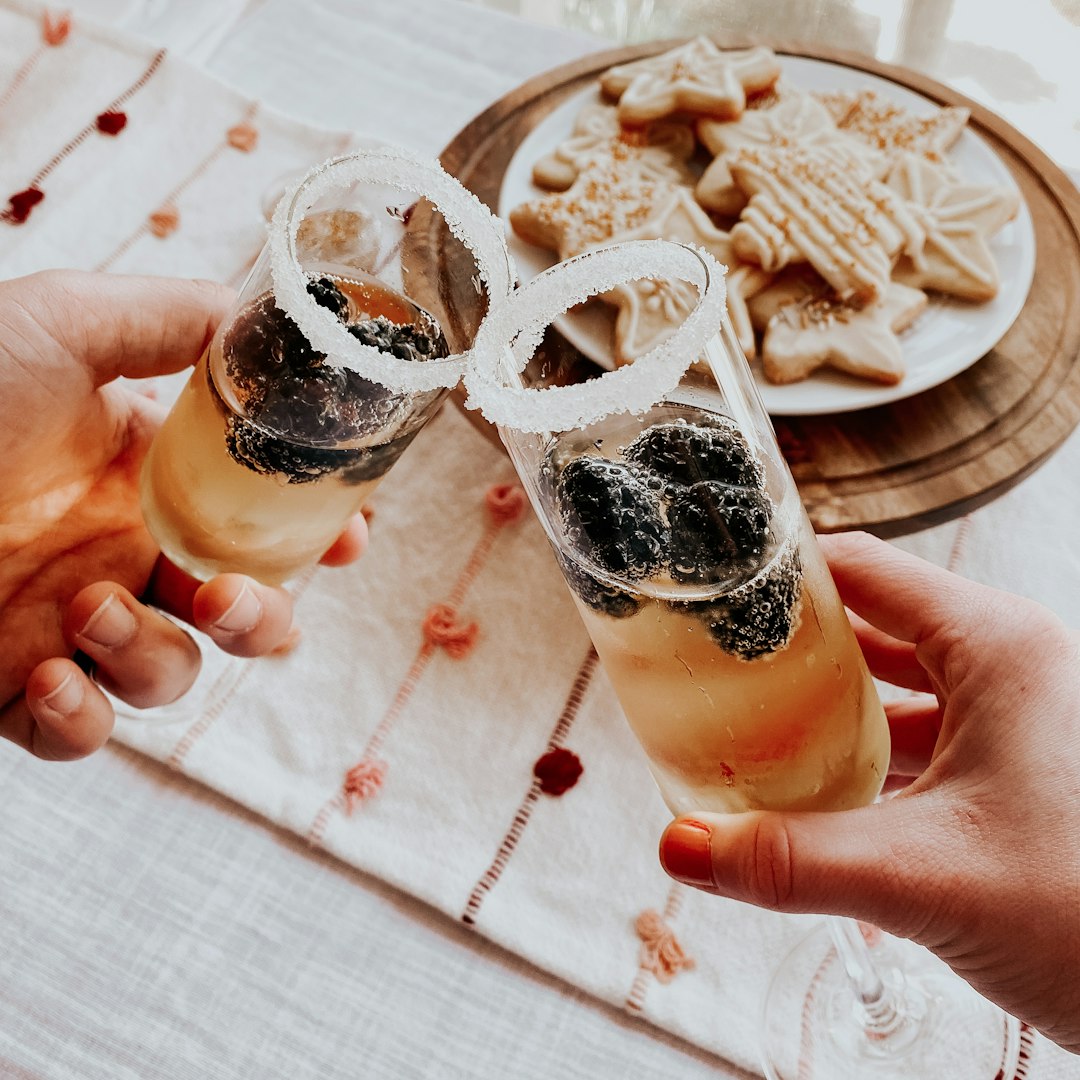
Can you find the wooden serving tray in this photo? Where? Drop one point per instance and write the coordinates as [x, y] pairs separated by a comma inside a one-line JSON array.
[[896, 468]]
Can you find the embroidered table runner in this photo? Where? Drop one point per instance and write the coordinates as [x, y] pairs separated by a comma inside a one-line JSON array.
[[443, 722]]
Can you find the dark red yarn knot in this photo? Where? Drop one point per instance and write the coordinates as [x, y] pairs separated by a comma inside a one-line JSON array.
[[558, 771], [111, 123], [505, 503], [20, 205]]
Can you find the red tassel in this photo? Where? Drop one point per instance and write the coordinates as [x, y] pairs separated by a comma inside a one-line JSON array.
[[505, 503], [558, 771], [55, 28], [21, 204], [111, 123], [362, 781], [442, 629]]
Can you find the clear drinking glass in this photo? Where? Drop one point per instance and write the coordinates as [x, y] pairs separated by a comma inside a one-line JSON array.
[[683, 540], [343, 342]]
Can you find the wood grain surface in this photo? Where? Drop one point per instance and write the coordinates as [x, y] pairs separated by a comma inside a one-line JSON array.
[[896, 468]]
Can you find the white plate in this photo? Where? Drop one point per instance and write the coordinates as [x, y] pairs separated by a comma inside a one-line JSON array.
[[948, 337]]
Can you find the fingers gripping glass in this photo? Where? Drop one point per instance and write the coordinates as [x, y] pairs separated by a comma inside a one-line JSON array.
[[352, 327], [685, 545]]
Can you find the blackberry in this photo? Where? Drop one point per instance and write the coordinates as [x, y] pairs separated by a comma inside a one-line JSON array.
[[606, 599], [376, 461], [612, 516], [262, 348], [690, 453], [267, 455], [326, 294], [761, 616], [311, 407], [717, 532], [404, 341]]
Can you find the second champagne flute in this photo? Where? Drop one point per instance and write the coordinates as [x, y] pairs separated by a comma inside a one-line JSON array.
[[684, 542]]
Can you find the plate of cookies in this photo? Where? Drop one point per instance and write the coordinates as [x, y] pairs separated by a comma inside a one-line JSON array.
[[876, 246]]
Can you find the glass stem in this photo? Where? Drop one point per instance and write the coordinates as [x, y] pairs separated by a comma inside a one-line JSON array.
[[878, 1007]]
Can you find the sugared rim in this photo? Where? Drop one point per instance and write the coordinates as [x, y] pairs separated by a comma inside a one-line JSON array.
[[467, 218], [512, 332]]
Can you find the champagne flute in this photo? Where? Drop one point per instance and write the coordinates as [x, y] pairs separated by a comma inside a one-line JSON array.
[[684, 543], [347, 335], [352, 327]]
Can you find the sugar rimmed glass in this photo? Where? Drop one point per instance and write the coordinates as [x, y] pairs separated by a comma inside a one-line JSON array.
[[350, 330], [684, 543]]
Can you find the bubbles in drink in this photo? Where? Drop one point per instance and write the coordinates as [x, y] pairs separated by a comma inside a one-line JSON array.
[[733, 660], [270, 448]]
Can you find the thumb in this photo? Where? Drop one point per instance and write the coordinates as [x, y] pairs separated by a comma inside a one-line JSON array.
[[134, 326], [876, 863]]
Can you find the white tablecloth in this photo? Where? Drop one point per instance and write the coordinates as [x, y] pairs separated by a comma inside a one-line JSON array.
[[151, 929]]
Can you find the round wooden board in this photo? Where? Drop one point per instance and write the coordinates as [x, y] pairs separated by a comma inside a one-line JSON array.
[[896, 468]]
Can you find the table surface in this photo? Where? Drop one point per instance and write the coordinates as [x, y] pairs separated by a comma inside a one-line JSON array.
[[152, 929]]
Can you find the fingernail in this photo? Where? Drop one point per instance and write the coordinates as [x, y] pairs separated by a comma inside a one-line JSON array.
[[685, 852], [111, 625], [67, 697], [243, 614]]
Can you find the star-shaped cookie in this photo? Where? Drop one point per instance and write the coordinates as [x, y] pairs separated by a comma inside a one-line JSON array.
[[824, 331], [958, 220], [649, 309], [892, 129], [655, 152], [822, 205], [606, 199], [696, 78], [795, 119]]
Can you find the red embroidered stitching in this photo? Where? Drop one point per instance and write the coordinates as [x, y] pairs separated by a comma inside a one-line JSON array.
[[648, 963], [489, 879], [243, 136], [11, 215], [363, 780], [55, 27], [54, 31], [111, 123], [442, 630], [166, 219], [806, 1027], [959, 545], [505, 503]]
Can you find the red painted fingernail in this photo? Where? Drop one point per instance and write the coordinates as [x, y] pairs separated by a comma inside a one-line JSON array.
[[685, 853]]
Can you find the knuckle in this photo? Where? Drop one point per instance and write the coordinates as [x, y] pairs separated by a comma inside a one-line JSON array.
[[768, 872]]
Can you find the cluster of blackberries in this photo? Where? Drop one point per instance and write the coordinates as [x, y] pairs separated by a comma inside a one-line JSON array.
[[297, 408], [688, 499]]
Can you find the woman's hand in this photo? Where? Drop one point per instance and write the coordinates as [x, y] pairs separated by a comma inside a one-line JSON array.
[[978, 859]]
